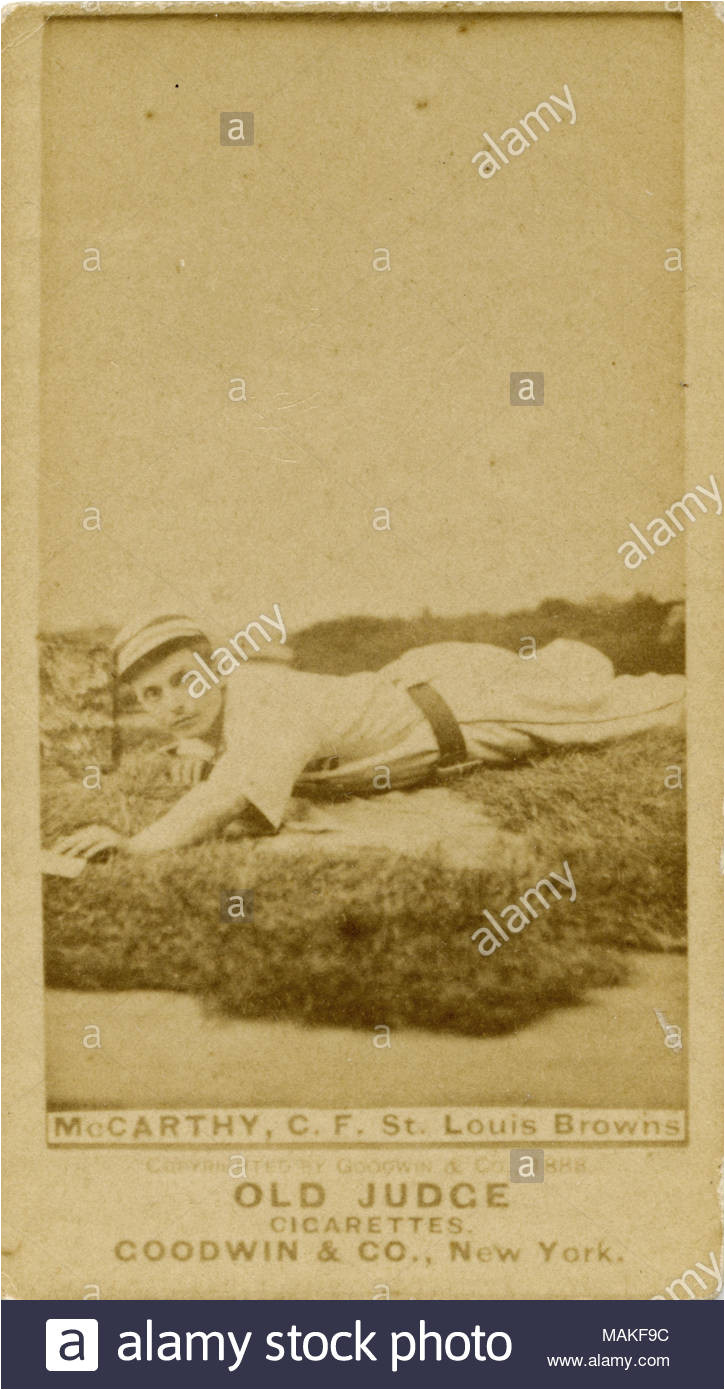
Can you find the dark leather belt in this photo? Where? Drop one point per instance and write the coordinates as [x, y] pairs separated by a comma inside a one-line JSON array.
[[444, 724]]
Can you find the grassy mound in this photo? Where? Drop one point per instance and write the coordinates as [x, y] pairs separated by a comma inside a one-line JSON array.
[[375, 937]]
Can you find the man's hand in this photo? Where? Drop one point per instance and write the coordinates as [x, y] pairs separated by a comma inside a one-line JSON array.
[[90, 842], [191, 760], [187, 769]]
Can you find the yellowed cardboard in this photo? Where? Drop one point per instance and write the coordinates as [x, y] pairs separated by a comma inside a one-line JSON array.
[[258, 263]]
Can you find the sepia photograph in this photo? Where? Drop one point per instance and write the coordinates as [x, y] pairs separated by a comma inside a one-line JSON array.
[[471, 839], [362, 647], [366, 512]]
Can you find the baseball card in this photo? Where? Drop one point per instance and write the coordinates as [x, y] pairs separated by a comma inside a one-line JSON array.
[[362, 651]]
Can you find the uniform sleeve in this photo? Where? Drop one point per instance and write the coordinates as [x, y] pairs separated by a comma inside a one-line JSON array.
[[273, 725]]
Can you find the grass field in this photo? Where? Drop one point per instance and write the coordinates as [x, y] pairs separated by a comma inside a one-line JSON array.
[[370, 938]]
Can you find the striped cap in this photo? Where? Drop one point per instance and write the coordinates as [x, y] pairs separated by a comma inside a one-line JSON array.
[[143, 636]]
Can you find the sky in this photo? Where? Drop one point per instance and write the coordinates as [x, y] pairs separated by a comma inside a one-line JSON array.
[[252, 271]]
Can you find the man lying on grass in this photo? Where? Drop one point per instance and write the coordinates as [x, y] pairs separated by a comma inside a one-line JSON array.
[[266, 731]]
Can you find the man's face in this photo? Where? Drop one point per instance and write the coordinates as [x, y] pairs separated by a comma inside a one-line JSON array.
[[162, 692]]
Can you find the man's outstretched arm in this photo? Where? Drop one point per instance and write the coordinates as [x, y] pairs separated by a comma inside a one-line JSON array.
[[197, 815]]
